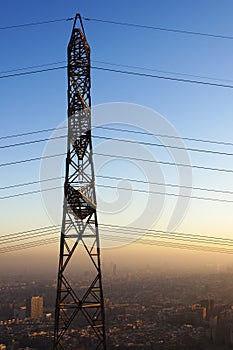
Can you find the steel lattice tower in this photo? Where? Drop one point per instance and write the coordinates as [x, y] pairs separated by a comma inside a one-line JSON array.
[[79, 311]]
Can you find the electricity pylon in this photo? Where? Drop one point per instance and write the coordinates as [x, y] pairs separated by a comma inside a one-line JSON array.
[[79, 314]]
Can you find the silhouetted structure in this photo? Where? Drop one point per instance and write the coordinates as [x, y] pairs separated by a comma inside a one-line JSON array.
[[79, 308]]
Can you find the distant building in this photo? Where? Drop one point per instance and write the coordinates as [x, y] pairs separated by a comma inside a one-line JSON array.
[[35, 307], [198, 313], [224, 328], [209, 305], [20, 313]]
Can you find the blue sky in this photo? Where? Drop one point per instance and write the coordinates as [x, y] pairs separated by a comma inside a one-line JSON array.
[[39, 101]]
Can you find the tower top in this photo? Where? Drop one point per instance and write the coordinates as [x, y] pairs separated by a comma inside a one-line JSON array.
[[78, 18]]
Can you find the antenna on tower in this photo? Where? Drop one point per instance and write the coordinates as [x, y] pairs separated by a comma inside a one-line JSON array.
[[79, 313]]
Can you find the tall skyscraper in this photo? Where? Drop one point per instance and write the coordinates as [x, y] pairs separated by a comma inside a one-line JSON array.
[[35, 307]]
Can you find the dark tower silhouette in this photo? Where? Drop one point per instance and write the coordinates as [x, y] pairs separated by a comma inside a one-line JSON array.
[[79, 308]]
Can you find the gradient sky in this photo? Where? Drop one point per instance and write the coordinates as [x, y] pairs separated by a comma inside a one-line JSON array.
[[39, 101]]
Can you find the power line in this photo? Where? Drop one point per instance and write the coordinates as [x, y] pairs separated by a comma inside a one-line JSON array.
[[149, 242], [127, 230], [124, 179], [146, 75], [33, 231], [30, 192], [166, 163], [139, 240], [31, 159], [143, 230], [126, 189], [166, 136], [31, 133], [165, 184], [32, 24], [28, 245], [31, 67], [125, 66], [25, 143], [32, 183], [174, 245], [32, 72], [171, 236], [199, 150], [25, 237], [161, 71], [176, 242], [168, 194], [122, 157], [162, 145], [126, 72], [113, 238], [124, 131], [172, 30], [125, 24]]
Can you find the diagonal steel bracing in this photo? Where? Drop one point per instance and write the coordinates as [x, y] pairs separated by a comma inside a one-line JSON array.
[[80, 225]]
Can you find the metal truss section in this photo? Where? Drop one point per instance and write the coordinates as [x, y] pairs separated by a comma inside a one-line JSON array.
[[79, 314]]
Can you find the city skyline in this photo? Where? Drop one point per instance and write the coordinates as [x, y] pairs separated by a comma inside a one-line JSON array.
[[189, 311]]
